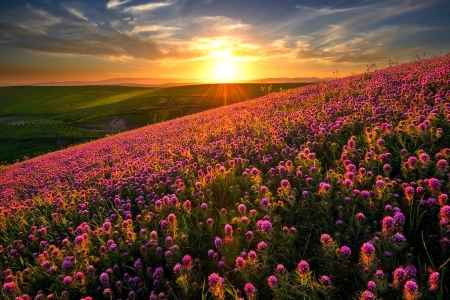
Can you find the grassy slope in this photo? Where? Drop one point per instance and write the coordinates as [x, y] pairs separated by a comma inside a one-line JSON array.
[[35, 120]]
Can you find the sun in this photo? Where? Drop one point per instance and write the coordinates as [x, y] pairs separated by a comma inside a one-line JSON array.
[[225, 71]]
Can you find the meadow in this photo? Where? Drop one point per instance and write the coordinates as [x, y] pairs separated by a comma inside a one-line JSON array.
[[38, 119], [336, 190]]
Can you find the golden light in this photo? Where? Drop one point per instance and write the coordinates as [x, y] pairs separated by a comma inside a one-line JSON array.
[[225, 71]]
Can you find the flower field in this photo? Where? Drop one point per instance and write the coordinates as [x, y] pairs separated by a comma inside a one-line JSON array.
[[334, 190]]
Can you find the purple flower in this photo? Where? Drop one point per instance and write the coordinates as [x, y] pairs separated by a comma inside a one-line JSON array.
[[399, 238], [104, 279], [345, 251], [218, 242], [265, 202]]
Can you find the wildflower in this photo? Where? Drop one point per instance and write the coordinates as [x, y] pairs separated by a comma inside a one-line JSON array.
[[9, 287], [67, 280], [388, 224], [325, 280], [411, 290], [285, 184], [171, 218], [242, 209], [379, 274], [367, 253], [303, 268], [399, 220], [280, 269], [265, 202], [104, 279], [409, 192], [261, 245], [228, 229], [215, 283], [157, 273], [250, 290], [272, 281], [410, 272], [79, 276], [434, 184], [367, 295], [265, 226], [360, 216], [399, 238], [433, 281], [399, 277], [214, 280], [249, 235], [345, 251], [187, 261], [442, 164], [326, 239], [445, 213], [240, 262], [107, 292], [218, 242], [371, 286]]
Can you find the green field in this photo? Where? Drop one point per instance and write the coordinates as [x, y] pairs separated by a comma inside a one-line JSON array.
[[38, 119]]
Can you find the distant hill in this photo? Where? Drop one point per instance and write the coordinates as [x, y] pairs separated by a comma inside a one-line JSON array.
[[163, 82]]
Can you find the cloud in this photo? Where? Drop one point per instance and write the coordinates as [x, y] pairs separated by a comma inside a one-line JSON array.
[[116, 3], [147, 28], [76, 13], [147, 7]]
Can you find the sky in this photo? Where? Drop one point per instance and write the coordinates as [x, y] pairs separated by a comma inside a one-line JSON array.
[[214, 40]]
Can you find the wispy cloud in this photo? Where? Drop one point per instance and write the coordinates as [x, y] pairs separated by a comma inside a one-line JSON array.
[[147, 28], [76, 13], [116, 3], [147, 7]]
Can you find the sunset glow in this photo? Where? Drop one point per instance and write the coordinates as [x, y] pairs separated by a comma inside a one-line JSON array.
[[212, 40], [225, 71]]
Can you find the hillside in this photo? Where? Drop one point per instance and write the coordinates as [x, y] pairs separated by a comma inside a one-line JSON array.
[[37, 119], [333, 190]]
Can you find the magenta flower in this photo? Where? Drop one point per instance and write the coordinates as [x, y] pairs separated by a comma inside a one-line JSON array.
[[433, 281], [250, 290], [272, 281], [445, 213], [240, 262], [303, 268], [411, 290]]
